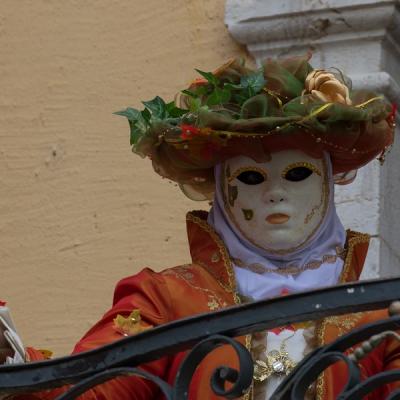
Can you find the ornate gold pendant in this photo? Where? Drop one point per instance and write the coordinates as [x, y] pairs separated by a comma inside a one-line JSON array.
[[130, 325], [278, 363]]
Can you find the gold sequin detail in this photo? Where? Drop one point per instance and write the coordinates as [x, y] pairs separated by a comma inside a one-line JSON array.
[[215, 257], [245, 169], [344, 323], [291, 269], [222, 250], [183, 272], [213, 305], [304, 164]]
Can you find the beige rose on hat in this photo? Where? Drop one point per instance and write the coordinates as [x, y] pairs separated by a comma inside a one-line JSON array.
[[325, 86]]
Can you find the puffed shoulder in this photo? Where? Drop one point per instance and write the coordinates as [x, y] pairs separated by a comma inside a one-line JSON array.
[[145, 280]]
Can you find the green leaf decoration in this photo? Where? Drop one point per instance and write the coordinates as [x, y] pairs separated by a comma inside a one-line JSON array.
[[157, 107], [173, 111], [219, 96], [289, 85], [239, 98], [130, 113], [136, 132], [201, 90], [232, 86], [194, 104], [196, 92], [209, 76], [253, 83], [190, 93], [137, 123], [146, 114], [255, 107]]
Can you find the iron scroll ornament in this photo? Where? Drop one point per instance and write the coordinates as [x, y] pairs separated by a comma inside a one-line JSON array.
[[241, 379], [102, 364], [293, 388]]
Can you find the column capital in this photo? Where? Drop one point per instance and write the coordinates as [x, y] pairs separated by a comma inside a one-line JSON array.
[[361, 36]]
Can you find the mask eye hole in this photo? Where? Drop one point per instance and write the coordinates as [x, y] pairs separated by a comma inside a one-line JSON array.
[[298, 174], [251, 177]]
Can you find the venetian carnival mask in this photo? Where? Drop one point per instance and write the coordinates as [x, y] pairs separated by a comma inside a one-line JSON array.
[[276, 205]]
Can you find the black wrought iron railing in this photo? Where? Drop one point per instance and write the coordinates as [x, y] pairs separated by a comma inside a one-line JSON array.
[[204, 333]]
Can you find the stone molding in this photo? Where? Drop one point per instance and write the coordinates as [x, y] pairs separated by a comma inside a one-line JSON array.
[[331, 30], [380, 82], [286, 25]]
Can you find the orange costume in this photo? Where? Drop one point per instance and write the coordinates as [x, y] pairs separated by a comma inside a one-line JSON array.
[[210, 284]]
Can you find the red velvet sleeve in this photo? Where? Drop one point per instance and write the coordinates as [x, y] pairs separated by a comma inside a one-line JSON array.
[[385, 357], [147, 292]]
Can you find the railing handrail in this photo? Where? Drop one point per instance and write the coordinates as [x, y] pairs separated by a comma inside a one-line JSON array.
[[183, 334]]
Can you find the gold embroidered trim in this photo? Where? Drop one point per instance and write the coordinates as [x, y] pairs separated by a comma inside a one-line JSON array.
[[245, 169], [183, 272], [248, 343], [209, 269], [325, 191], [291, 269], [231, 275], [357, 238], [223, 251], [320, 333], [304, 164], [344, 323], [258, 351]]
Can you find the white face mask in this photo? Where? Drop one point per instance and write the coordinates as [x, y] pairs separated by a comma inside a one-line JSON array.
[[276, 205]]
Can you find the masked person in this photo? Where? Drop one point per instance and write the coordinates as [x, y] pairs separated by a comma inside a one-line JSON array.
[[266, 146]]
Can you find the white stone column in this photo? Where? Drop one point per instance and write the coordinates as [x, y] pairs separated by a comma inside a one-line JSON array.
[[362, 38]]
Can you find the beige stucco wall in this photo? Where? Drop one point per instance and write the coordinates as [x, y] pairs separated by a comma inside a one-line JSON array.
[[78, 211]]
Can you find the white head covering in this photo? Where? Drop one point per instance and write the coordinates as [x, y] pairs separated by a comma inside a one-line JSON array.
[[327, 239]]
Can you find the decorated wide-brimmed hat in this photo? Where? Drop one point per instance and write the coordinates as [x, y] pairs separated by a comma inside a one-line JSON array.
[[236, 110]]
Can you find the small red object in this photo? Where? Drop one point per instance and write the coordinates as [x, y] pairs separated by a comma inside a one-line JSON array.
[[188, 131], [284, 292], [2, 303], [279, 330]]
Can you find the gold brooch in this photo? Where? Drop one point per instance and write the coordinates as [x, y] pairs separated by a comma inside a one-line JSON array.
[[278, 362], [130, 325]]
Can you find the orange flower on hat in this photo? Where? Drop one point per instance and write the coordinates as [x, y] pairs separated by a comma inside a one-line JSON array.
[[198, 82], [325, 86]]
